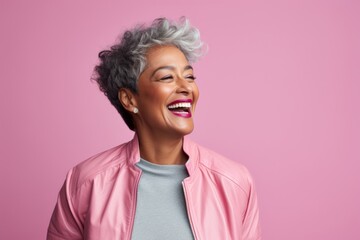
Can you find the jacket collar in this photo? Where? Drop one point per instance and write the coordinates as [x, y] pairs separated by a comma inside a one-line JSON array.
[[189, 147]]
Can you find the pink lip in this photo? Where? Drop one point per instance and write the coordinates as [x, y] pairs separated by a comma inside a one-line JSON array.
[[181, 101], [181, 114]]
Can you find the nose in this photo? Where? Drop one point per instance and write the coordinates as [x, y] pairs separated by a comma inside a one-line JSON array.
[[184, 86]]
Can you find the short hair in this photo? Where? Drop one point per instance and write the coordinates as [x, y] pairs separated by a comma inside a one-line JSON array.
[[121, 65]]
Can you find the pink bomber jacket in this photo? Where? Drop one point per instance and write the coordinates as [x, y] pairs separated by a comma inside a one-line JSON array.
[[98, 198]]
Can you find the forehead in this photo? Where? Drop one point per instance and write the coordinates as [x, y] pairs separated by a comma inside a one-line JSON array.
[[165, 55]]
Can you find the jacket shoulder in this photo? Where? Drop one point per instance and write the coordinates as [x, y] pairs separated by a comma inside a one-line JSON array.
[[106, 162], [219, 165]]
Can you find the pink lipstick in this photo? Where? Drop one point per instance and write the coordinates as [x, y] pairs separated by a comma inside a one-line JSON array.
[[181, 107]]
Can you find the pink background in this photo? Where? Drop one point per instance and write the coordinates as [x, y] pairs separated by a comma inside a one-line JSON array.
[[279, 93]]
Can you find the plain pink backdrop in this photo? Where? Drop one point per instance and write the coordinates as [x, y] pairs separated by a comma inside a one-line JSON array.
[[279, 93]]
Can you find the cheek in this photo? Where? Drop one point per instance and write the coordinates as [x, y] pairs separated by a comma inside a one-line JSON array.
[[162, 93], [156, 94]]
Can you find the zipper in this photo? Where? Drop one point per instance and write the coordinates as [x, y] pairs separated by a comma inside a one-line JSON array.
[[134, 206], [188, 211]]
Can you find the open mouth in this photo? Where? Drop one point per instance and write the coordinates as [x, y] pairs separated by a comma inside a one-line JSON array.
[[181, 109]]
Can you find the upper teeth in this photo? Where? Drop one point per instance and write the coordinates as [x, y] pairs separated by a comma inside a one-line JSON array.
[[178, 105]]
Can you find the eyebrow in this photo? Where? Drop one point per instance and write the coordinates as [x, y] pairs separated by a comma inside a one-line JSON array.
[[187, 67]]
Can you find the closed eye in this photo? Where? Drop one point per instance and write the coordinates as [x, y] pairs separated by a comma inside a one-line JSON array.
[[166, 77], [191, 77]]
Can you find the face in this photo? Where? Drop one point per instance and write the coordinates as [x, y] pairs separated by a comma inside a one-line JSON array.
[[167, 93]]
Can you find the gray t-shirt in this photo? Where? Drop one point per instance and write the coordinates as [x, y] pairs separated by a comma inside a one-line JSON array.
[[161, 209]]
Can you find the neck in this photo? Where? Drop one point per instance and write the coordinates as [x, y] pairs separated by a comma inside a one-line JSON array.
[[160, 150]]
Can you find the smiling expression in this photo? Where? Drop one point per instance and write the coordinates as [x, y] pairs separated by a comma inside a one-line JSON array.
[[167, 93]]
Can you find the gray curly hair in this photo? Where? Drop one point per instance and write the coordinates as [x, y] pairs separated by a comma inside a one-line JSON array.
[[121, 66]]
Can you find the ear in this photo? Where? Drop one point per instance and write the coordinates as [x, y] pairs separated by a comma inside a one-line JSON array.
[[127, 99]]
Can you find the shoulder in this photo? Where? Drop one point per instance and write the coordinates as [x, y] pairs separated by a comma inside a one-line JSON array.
[[103, 164], [222, 167]]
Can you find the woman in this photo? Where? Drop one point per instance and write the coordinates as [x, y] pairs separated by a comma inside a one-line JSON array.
[[160, 185]]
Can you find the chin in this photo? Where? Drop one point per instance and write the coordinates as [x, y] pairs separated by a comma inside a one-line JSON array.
[[186, 131], [180, 129]]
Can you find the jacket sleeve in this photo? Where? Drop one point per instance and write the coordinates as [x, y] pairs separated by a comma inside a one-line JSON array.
[[251, 221], [65, 223]]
